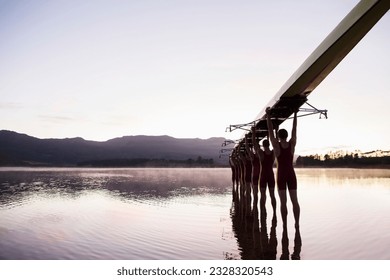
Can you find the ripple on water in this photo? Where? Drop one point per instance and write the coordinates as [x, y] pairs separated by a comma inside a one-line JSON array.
[[181, 214]]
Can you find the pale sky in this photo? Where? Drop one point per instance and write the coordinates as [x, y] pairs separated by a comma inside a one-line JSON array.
[[184, 68]]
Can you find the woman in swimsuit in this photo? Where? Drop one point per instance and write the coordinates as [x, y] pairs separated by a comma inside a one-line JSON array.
[[267, 158], [255, 173], [286, 179]]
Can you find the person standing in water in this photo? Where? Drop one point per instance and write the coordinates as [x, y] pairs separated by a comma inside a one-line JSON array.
[[255, 173], [232, 164], [286, 179], [267, 159]]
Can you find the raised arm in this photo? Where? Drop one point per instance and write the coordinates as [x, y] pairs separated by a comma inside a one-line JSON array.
[[248, 150], [293, 140], [271, 134], [256, 146]]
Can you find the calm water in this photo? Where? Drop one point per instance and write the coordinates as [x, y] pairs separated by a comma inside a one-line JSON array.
[[186, 214]]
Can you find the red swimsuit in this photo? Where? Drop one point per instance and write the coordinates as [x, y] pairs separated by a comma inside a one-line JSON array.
[[286, 174]]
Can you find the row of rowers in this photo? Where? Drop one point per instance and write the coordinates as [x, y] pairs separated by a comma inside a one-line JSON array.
[[254, 168]]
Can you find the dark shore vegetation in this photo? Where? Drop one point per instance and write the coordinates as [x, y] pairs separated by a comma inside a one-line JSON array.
[[376, 159]]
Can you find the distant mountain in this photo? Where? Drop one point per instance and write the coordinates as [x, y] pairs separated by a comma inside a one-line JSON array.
[[21, 149]]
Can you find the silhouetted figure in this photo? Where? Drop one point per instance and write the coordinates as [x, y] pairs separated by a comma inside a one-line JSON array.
[[239, 171], [267, 159], [286, 179], [233, 163], [247, 182], [236, 161], [255, 161], [268, 243], [245, 188]]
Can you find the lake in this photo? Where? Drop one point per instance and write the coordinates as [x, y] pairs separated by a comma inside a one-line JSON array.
[[147, 214]]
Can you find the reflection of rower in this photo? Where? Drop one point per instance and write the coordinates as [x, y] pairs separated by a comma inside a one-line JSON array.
[[253, 243], [256, 234], [296, 255], [245, 233], [268, 244]]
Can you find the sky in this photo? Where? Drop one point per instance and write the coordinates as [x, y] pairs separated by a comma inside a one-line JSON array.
[[184, 68]]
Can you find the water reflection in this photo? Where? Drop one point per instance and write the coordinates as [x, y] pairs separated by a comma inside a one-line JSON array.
[[296, 255], [17, 186], [113, 213], [269, 242], [253, 239], [130, 214]]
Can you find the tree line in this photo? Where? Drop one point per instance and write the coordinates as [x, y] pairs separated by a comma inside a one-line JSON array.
[[344, 160]]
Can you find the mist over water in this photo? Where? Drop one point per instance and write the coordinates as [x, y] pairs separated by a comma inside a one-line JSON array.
[[81, 213]]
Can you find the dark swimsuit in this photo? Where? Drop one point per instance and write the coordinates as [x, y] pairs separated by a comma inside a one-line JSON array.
[[267, 173], [248, 170], [255, 170], [286, 174]]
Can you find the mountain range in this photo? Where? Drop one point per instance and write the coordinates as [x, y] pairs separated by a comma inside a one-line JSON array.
[[18, 149]]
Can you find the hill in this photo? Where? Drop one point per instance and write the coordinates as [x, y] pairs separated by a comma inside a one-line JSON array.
[[20, 150]]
